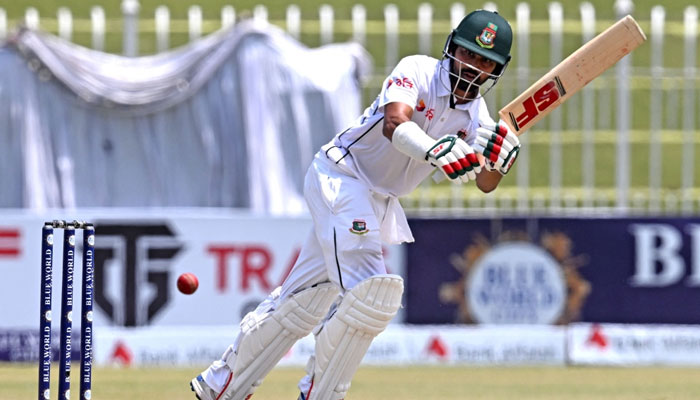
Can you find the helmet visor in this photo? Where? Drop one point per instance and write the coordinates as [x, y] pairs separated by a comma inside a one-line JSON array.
[[467, 78]]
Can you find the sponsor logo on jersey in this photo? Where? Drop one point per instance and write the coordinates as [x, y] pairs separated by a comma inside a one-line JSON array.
[[430, 113], [403, 82], [487, 37], [359, 227]]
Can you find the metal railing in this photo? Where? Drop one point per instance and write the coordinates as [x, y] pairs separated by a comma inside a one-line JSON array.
[[648, 108]]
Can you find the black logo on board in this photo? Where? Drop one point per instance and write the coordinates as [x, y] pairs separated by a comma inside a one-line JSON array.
[[132, 270]]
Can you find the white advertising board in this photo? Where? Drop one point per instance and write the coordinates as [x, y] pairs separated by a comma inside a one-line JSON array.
[[618, 344], [492, 344], [238, 259], [397, 345]]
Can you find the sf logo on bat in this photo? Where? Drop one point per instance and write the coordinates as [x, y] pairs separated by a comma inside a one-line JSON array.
[[538, 103]]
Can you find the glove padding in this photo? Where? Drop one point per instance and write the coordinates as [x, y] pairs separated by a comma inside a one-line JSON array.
[[455, 158], [499, 146]]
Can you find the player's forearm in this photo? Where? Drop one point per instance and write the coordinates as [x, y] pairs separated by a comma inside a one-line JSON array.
[[487, 181], [394, 115], [411, 140]]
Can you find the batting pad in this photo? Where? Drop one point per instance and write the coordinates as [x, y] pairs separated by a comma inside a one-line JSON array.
[[364, 312], [266, 338]]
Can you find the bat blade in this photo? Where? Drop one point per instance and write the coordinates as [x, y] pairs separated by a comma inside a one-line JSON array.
[[573, 73]]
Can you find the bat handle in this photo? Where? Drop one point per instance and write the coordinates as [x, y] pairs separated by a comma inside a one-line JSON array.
[[438, 177]]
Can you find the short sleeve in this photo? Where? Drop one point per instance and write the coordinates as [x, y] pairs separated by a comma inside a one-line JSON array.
[[402, 84]]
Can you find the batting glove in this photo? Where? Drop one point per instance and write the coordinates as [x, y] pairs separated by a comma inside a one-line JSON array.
[[499, 146], [455, 158]]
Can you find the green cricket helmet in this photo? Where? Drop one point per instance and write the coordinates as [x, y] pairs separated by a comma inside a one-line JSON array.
[[485, 33]]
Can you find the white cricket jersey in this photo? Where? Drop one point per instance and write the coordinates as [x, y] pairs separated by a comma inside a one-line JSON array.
[[415, 81]]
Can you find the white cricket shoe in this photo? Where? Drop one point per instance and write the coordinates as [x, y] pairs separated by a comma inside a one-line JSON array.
[[202, 390]]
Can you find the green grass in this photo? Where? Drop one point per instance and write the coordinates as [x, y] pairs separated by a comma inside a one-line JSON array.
[[405, 383]]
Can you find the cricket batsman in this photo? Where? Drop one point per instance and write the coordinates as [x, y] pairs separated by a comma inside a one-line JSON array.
[[429, 114]]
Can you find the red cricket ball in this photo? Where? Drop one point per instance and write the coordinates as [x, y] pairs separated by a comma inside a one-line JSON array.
[[187, 283]]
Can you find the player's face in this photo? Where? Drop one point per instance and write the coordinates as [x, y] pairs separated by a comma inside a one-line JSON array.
[[469, 71], [473, 67]]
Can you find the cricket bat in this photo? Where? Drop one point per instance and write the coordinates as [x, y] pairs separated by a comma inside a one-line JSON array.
[[570, 75]]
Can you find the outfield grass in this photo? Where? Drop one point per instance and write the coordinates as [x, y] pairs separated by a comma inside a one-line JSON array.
[[407, 383]]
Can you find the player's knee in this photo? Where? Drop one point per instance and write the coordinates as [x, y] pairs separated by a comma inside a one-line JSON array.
[[378, 297], [363, 313]]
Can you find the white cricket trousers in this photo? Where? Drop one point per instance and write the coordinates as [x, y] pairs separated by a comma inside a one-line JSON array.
[[344, 246]]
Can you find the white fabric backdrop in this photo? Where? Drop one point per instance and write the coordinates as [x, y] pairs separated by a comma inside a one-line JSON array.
[[231, 120]]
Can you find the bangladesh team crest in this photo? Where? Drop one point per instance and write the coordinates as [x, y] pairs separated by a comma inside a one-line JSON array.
[[488, 36], [359, 227]]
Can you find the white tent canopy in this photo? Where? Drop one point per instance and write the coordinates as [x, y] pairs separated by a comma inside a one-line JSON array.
[[231, 120]]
